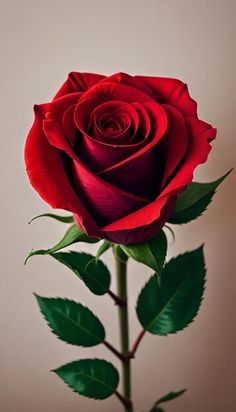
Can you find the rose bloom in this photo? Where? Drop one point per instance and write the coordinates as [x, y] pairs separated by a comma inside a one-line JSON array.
[[116, 151]]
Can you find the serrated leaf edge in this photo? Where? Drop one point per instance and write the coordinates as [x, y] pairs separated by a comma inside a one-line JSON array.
[[88, 376], [200, 302], [38, 297], [76, 271]]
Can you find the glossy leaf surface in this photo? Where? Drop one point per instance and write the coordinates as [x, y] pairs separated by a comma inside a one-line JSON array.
[[71, 321], [93, 378], [170, 305], [94, 273]]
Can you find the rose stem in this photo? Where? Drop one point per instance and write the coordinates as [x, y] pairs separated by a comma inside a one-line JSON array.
[[121, 268], [127, 404], [116, 299], [115, 351], [137, 343]]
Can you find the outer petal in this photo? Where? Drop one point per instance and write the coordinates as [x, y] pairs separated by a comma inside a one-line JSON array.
[[142, 233], [59, 106], [141, 217], [126, 79], [47, 175], [172, 91], [104, 201], [197, 153], [174, 143], [78, 82]]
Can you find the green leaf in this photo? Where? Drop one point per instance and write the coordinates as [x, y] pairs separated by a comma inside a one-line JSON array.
[[92, 272], [171, 305], [63, 219], [71, 322], [103, 248], [170, 396], [157, 410], [93, 378], [73, 235], [194, 201], [151, 253]]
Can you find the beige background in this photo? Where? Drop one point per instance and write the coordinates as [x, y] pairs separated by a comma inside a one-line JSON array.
[[41, 41]]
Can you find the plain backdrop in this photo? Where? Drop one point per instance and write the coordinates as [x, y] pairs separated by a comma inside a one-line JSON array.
[[41, 42]]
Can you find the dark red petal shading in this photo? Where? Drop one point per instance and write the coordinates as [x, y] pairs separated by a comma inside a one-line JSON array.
[[197, 153], [144, 120], [104, 201], [78, 82], [69, 125], [47, 175], [171, 91], [197, 126], [113, 109], [175, 141], [97, 154], [140, 217], [56, 135], [139, 173], [142, 233]]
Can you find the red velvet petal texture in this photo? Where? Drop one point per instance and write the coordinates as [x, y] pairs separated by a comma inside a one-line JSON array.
[[95, 153], [59, 106], [142, 233], [171, 91], [197, 153], [47, 175], [132, 81], [78, 82], [104, 201], [140, 173], [141, 217], [174, 143]]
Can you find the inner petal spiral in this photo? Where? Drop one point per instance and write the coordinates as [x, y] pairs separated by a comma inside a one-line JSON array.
[[113, 122]]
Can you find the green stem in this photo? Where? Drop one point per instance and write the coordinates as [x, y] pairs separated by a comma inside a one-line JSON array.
[[121, 267]]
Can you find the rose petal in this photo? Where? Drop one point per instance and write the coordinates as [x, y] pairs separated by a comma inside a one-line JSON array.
[[174, 143], [142, 217], [114, 110], [56, 135], [69, 125], [114, 91], [58, 107], [144, 121], [171, 91], [47, 175], [197, 126], [104, 201], [197, 153], [141, 172], [132, 81], [142, 233], [78, 82], [97, 154], [98, 196]]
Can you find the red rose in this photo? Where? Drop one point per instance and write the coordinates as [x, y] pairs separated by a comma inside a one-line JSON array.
[[115, 151]]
